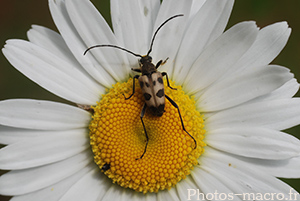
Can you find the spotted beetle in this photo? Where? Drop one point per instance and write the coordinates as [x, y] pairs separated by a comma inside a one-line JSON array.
[[151, 83]]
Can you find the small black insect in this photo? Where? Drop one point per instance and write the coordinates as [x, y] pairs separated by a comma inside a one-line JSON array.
[[105, 167], [151, 83]]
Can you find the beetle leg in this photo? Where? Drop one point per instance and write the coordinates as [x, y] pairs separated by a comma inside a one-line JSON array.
[[176, 106], [158, 64], [161, 62], [165, 74], [133, 87], [142, 115], [136, 70]]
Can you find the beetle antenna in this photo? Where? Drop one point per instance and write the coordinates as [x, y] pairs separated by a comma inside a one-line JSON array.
[[114, 46], [150, 49]]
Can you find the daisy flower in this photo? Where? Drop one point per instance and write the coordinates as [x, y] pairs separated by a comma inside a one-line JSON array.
[[223, 142]]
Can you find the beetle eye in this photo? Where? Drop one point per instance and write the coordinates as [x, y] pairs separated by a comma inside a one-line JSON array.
[[140, 62]]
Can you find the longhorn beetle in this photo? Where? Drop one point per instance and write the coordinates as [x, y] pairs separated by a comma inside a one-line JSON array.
[[151, 83]]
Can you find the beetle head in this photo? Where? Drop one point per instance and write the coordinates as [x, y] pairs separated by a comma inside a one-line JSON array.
[[145, 59]]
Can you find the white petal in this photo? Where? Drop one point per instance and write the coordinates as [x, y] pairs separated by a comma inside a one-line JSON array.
[[276, 167], [18, 182], [268, 44], [90, 187], [44, 115], [52, 73], [270, 167], [212, 187], [277, 114], [230, 92], [93, 30], [288, 90], [196, 6], [225, 177], [121, 194], [76, 44], [43, 150], [150, 197], [10, 135], [187, 189], [208, 24], [54, 43], [239, 178], [169, 37], [254, 142], [133, 23], [116, 192], [220, 55], [167, 195], [56, 191]]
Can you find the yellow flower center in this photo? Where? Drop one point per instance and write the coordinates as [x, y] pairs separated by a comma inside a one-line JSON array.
[[117, 139]]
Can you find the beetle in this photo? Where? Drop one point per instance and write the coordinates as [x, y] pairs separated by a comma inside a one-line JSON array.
[[151, 83], [105, 167]]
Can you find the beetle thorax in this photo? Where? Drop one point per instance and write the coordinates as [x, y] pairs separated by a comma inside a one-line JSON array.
[[146, 65]]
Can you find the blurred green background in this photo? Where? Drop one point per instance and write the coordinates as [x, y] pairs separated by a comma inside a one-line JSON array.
[[16, 17]]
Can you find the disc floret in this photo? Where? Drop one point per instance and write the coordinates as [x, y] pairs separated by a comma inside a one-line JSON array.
[[117, 138]]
